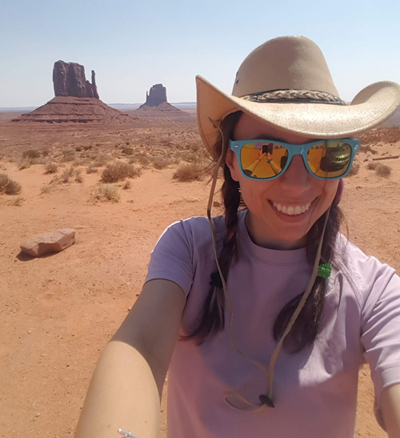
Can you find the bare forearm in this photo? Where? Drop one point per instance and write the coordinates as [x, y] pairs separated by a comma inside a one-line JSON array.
[[122, 394]]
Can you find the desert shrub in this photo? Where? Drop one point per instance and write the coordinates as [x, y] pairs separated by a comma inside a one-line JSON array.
[[143, 160], [106, 192], [78, 149], [24, 164], [161, 162], [189, 172], [355, 168], [380, 169], [67, 174], [127, 151], [86, 148], [68, 155], [8, 186], [91, 169], [372, 165], [16, 202], [78, 176], [51, 168], [101, 160], [383, 170], [31, 153], [119, 171], [127, 185], [45, 190]]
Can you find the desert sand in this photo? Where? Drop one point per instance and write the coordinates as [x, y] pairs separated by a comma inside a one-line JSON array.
[[59, 311]]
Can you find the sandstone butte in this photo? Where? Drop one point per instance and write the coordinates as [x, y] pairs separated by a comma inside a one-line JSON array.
[[157, 106], [76, 100]]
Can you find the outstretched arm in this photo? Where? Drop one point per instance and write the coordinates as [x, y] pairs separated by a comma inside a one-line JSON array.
[[126, 387], [390, 405]]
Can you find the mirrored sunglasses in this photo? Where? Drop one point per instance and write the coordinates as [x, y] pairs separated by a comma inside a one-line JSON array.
[[268, 159]]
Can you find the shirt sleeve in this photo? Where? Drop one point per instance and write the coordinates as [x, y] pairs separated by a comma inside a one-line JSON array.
[[172, 257], [380, 327]]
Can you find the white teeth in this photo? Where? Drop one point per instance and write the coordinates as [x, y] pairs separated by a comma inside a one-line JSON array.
[[290, 210], [297, 210]]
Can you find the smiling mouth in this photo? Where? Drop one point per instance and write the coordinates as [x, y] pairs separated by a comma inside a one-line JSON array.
[[291, 210]]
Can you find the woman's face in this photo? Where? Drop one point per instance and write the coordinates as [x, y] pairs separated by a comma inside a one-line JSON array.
[[296, 190]]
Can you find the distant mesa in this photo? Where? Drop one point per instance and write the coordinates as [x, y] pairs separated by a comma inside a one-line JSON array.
[[69, 80], [77, 100], [156, 105], [156, 96]]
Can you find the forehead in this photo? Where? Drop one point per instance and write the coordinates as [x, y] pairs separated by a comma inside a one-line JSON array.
[[249, 127]]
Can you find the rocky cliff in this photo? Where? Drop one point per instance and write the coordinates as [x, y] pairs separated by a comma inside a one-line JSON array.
[[69, 80]]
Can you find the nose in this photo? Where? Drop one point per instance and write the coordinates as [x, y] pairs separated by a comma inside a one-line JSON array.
[[296, 179]]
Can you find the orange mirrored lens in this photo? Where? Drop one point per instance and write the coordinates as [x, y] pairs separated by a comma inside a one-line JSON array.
[[263, 159], [329, 159]]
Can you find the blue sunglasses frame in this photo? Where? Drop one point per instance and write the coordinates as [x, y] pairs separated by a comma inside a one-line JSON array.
[[294, 149]]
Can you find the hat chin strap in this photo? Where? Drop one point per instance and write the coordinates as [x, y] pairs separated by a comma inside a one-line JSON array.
[[265, 400]]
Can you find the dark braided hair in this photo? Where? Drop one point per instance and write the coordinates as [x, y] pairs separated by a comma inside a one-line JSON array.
[[304, 331]]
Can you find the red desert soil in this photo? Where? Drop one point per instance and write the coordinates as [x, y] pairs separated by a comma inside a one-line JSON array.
[[59, 311]]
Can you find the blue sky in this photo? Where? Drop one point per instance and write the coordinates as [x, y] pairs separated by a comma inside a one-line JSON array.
[[134, 44]]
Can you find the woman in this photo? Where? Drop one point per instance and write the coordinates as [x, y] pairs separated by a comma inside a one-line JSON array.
[[267, 316]]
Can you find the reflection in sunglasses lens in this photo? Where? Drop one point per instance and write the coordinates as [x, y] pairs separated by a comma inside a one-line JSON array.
[[330, 159], [262, 160]]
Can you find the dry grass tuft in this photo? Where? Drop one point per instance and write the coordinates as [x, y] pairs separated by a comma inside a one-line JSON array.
[[8, 186], [106, 193], [380, 169], [68, 155], [383, 170], [31, 154], [24, 164], [127, 151], [45, 190], [372, 165], [161, 162], [189, 172], [119, 171], [51, 168], [78, 176], [127, 185], [91, 169], [15, 202]]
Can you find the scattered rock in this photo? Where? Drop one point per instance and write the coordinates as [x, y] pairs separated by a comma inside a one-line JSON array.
[[54, 241]]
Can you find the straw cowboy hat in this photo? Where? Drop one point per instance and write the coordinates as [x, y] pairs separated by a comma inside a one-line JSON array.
[[286, 83]]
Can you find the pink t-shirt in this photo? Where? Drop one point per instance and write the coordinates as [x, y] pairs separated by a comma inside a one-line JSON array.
[[315, 391]]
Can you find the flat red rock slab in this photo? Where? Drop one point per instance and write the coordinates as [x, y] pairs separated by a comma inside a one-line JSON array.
[[55, 241]]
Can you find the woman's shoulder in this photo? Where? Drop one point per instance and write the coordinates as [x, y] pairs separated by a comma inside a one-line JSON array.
[[364, 273], [197, 229]]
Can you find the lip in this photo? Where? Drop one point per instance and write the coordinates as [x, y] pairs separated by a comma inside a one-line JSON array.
[[298, 217]]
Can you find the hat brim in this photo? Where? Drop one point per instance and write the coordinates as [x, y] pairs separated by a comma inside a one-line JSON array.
[[369, 108]]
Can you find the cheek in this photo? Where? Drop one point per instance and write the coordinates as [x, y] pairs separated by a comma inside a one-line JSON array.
[[328, 191]]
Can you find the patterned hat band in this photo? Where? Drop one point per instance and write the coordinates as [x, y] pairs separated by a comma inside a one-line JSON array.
[[288, 95]]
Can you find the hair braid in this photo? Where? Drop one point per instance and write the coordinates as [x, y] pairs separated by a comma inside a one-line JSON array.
[[212, 317], [305, 329]]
